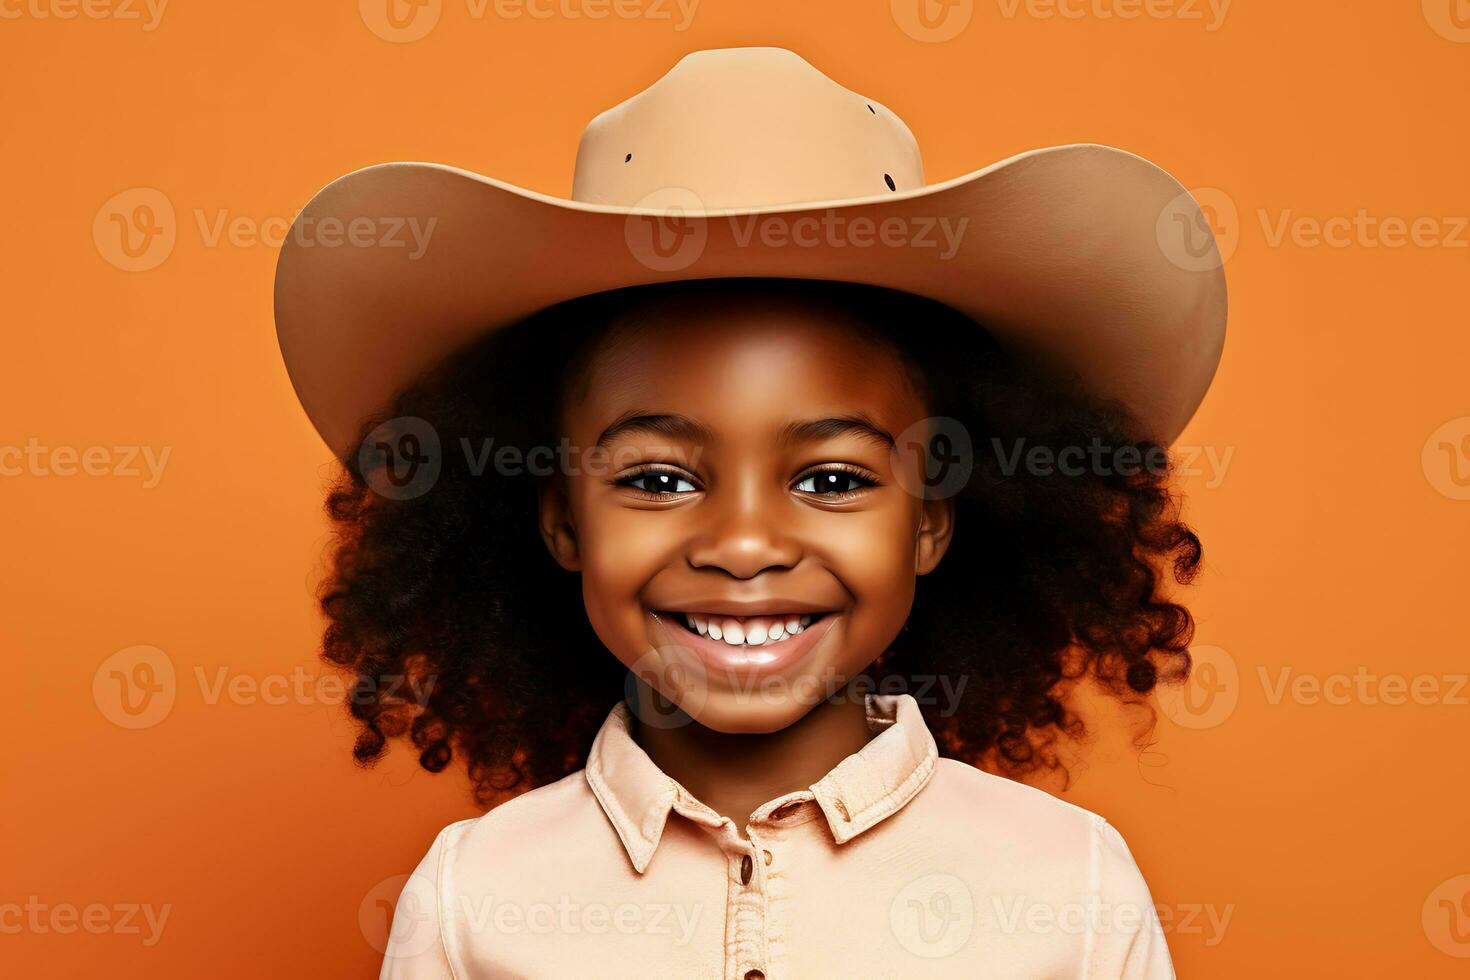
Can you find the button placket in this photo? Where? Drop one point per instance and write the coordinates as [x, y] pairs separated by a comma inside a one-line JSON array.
[[751, 896], [754, 856], [750, 900]]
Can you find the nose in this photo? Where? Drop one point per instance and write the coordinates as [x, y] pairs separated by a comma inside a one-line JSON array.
[[743, 537]]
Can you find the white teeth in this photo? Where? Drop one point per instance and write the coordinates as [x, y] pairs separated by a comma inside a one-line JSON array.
[[734, 632], [752, 631]]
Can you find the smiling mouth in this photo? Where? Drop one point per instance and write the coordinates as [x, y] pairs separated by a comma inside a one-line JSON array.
[[746, 631]]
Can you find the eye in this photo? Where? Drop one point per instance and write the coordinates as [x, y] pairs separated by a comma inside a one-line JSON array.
[[657, 482], [834, 481]]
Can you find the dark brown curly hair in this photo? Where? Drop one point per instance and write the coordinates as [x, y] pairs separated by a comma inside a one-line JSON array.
[[448, 593]]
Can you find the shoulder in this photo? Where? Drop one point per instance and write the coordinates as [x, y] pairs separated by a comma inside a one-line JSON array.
[[529, 829], [543, 841], [1042, 865], [983, 799], [546, 832], [972, 808]]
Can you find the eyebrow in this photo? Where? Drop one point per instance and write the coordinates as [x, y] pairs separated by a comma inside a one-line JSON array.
[[674, 426], [670, 426], [816, 430]]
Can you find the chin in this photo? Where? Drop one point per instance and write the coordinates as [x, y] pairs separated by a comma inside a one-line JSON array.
[[749, 714]]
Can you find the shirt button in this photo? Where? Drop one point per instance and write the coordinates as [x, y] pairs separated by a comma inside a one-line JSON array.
[[754, 975], [745, 868]]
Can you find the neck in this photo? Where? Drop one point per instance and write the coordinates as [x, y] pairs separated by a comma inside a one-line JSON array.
[[733, 774]]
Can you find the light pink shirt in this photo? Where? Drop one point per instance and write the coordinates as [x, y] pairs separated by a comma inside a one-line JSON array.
[[897, 863]]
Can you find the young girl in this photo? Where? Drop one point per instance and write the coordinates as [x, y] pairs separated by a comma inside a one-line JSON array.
[[723, 587]]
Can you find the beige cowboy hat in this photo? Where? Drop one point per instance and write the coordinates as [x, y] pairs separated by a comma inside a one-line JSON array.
[[750, 162]]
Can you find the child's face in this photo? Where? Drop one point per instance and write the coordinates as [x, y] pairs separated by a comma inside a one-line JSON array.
[[738, 486]]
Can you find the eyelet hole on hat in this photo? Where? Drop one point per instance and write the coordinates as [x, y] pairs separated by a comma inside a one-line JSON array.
[[842, 809], [889, 181]]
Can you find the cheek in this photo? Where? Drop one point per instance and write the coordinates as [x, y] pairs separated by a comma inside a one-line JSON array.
[[620, 550], [872, 553]]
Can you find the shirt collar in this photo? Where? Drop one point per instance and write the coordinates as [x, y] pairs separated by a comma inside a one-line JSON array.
[[860, 791]]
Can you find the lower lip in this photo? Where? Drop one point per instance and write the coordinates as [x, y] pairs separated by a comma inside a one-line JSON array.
[[719, 655]]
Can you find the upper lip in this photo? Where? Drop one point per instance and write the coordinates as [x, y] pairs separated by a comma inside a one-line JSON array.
[[748, 607]]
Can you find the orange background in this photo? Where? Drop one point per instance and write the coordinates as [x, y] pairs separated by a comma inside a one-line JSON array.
[[1328, 832]]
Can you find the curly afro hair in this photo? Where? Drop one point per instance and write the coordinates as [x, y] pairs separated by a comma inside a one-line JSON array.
[[1055, 572]]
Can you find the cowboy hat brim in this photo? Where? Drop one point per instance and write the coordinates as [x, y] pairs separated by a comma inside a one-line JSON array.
[[1070, 256]]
